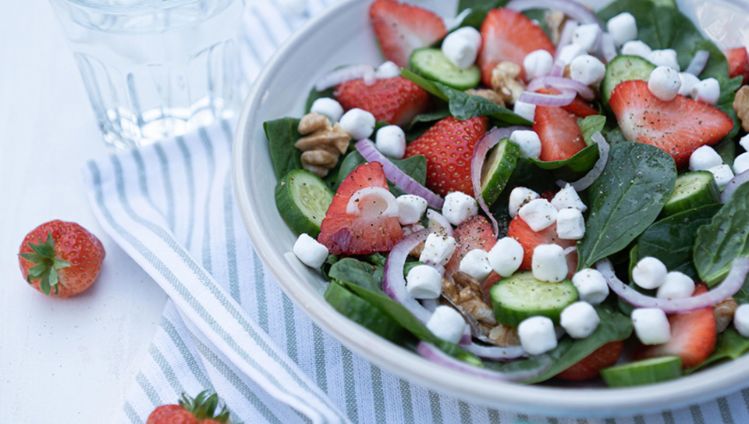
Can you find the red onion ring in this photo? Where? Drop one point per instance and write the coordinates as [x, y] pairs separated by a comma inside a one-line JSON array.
[[603, 157], [565, 37], [495, 353], [733, 185], [607, 47], [564, 98], [557, 70], [401, 180], [439, 221], [348, 73], [570, 8], [730, 286], [437, 356], [562, 84], [698, 63], [393, 283], [491, 139]]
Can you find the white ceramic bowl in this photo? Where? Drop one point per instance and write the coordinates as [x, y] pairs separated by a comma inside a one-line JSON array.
[[343, 36]]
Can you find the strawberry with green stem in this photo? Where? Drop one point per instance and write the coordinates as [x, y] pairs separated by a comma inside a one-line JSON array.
[[60, 259], [205, 408]]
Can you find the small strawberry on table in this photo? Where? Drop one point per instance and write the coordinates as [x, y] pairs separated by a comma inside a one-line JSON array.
[[205, 408], [60, 259]]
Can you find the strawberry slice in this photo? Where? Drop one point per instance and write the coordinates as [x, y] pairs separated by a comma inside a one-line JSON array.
[[509, 36], [393, 100], [363, 234], [475, 233], [448, 147], [402, 28], [560, 135], [738, 63], [529, 239], [693, 336], [590, 366], [678, 127]]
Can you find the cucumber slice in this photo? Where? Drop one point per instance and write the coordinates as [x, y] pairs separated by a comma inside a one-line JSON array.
[[363, 312], [433, 64], [692, 189], [498, 168], [302, 199], [647, 371], [624, 68], [523, 296]]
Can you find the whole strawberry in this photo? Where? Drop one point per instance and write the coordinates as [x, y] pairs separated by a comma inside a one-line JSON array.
[[60, 259], [203, 409], [448, 148]]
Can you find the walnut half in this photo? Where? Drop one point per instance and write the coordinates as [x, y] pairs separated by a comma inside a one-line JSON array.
[[741, 106], [724, 313], [506, 81], [322, 144]]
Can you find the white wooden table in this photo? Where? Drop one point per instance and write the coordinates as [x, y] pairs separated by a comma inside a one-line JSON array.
[[68, 360]]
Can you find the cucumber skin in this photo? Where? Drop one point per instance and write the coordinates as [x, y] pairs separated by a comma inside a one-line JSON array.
[[498, 180], [363, 313], [622, 375], [607, 85], [700, 198], [511, 316], [290, 212], [462, 79]]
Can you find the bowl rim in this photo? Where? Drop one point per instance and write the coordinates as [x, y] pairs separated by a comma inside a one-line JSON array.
[[567, 401]]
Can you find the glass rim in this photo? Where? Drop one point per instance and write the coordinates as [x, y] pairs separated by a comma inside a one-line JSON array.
[[122, 9]]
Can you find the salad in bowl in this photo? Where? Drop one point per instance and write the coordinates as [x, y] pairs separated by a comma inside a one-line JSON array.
[[530, 191]]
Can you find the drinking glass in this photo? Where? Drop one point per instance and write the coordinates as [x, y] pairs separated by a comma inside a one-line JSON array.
[[156, 68]]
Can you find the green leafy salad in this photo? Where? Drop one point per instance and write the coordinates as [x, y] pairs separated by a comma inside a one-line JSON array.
[[529, 190]]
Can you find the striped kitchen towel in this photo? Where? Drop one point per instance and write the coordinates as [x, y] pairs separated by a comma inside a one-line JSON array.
[[228, 326]]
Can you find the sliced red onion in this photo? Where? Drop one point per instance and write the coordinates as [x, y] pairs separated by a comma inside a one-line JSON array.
[[572, 9], [568, 32], [393, 283], [607, 47], [564, 98], [557, 70], [592, 175], [495, 353], [491, 139], [698, 63], [437, 356], [734, 185], [348, 73], [401, 180], [730, 286], [377, 194], [562, 84], [439, 221]]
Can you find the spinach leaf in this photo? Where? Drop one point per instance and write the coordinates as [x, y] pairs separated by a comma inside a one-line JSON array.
[[354, 271], [314, 95], [465, 106], [415, 166], [727, 150], [583, 160], [479, 9], [672, 239], [428, 85], [429, 117], [661, 26], [282, 134], [625, 199], [731, 345], [407, 320], [363, 312], [724, 239], [614, 326]]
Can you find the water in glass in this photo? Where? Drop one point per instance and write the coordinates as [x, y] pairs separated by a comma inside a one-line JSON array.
[[156, 68]]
